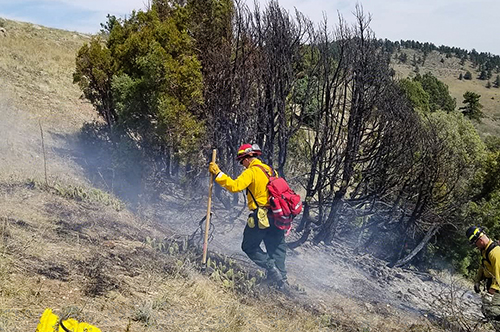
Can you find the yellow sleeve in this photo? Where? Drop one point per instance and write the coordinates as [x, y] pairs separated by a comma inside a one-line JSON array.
[[234, 186], [495, 265]]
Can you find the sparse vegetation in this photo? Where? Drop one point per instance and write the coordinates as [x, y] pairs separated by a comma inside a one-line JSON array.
[[79, 193]]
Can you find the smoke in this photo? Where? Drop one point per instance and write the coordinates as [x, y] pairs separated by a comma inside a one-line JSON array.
[[20, 144], [342, 279]]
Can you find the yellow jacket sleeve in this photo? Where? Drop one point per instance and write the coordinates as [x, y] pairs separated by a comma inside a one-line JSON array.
[[234, 186], [253, 179], [495, 267]]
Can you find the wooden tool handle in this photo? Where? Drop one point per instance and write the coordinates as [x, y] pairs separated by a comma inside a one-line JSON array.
[[209, 207]]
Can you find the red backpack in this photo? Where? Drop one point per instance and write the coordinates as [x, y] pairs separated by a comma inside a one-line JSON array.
[[284, 202]]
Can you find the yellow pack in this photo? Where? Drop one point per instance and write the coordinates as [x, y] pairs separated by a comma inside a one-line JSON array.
[[49, 322], [261, 215]]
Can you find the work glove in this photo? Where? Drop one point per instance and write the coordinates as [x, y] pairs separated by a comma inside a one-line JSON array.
[[487, 297], [213, 168], [477, 288]]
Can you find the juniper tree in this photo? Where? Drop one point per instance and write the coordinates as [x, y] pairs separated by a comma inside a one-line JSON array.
[[146, 79]]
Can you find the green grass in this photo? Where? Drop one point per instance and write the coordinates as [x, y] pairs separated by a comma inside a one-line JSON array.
[[79, 193]]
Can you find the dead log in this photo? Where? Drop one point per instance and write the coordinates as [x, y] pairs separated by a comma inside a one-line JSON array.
[[428, 236]]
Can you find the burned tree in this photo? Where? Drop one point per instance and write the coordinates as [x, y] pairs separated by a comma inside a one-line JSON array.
[[370, 116], [281, 39]]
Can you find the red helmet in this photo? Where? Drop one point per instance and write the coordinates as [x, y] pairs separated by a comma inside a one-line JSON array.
[[248, 150]]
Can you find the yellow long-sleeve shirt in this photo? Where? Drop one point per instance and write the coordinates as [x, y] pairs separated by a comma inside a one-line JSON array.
[[490, 270], [252, 178]]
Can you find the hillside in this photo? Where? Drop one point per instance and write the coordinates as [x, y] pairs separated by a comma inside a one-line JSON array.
[[448, 70], [73, 241]]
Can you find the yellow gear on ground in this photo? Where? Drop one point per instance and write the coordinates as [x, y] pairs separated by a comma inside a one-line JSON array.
[[49, 322]]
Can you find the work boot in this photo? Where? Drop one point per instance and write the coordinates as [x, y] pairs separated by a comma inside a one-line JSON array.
[[284, 287], [273, 276]]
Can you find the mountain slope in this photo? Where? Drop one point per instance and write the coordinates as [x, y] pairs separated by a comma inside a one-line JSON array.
[[448, 71]]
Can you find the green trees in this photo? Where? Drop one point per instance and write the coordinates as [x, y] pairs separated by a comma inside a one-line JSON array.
[[94, 72], [416, 94], [439, 96], [484, 208], [472, 108], [496, 83], [146, 79], [483, 75]]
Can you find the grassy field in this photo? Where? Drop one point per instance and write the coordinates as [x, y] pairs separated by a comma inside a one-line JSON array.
[[36, 65]]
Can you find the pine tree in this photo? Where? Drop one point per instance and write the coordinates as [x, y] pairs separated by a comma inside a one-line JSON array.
[[483, 75], [496, 83], [472, 108]]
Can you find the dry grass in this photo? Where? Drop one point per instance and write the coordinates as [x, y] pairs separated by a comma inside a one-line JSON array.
[[448, 72], [93, 261], [35, 70]]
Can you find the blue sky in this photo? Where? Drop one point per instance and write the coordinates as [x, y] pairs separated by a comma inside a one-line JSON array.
[[463, 23]]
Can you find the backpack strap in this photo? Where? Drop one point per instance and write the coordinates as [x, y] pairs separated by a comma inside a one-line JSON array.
[[492, 246], [248, 191], [264, 170], [268, 177]]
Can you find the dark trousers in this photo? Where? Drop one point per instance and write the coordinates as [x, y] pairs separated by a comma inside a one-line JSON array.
[[274, 240]]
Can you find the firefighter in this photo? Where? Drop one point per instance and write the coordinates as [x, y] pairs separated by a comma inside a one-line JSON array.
[[260, 226], [489, 270]]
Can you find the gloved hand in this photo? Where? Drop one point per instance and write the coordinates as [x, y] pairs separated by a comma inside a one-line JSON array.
[[477, 288], [213, 168], [487, 297]]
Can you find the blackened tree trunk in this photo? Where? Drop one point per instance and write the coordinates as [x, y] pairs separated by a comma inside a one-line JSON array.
[[423, 243]]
